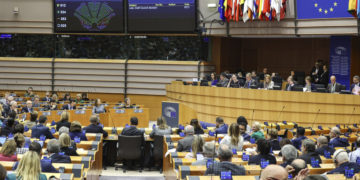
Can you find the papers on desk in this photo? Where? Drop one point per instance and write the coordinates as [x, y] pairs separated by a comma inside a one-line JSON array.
[[169, 151]]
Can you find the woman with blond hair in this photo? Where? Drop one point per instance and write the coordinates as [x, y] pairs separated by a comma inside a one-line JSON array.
[[28, 169], [233, 139], [7, 152], [161, 129], [196, 147], [256, 131], [65, 145], [64, 120]]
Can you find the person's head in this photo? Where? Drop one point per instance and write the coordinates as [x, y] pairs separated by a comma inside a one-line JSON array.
[[42, 119], [10, 122], [289, 152], [225, 153], [64, 130], [340, 156], [52, 102], [36, 147], [134, 121], [219, 121], [242, 119], [34, 116], [240, 74], [127, 101], [322, 141], [265, 70], [19, 140], [222, 76], [3, 172], [300, 131], [298, 165], [248, 76], [333, 79], [29, 167], [19, 128], [84, 95], [195, 123], [29, 90], [8, 148], [209, 149], [256, 127], [64, 117], [267, 78], [13, 104], [263, 146], [161, 123], [284, 141], [234, 133], [274, 172], [54, 97], [97, 102], [292, 73], [308, 80], [64, 140], [78, 97], [72, 103], [197, 145], [335, 132], [253, 73], [75, 126], [213, 76], [242, 128], [356, 79], [317, 64], [36, 100], [47, 94], [307, 146], [94, 119], [189, 130], [272, 134], [234, 77], [290, 80], [67, 96], [325, 68], [53, 146]]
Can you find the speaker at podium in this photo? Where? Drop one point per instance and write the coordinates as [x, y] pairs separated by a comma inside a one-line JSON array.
[[177, 113]]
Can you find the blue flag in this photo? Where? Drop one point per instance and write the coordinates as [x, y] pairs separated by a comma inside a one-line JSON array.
[[316, 9]]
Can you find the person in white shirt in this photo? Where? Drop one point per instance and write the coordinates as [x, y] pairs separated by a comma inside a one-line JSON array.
[[355, 154], [233, 139], [355, 88]]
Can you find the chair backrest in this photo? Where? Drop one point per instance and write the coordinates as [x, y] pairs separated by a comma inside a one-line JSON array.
[[319, 86], [158, 147], [130, 147]]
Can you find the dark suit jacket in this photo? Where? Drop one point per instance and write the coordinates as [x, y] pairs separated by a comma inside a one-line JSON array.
[[61, 124], [321, 150], [92, 128], [81, 135], [298, 141], [339, 142], [291, 88], [49, 108], [307, 157], [26, 110], [185, 144], [337, 87], [250, 83], [46, 166], [68, 107], [6, 130], [219, 167], [46, 99], [257, 159], [132, 131], [40, 129], [324, 78], [320, 71], [275, 145], [343, 166], [199, 131], [58, 158], [69, 151]]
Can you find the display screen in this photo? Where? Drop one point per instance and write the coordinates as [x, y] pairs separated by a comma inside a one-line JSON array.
[[161, 16], [83, 16]]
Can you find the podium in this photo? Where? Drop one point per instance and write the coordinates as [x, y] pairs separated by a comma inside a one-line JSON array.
[[177, 113]]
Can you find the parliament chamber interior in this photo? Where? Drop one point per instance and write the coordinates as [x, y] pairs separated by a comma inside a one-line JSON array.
[[179, 89]]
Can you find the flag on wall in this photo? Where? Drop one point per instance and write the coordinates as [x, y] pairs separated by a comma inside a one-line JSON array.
[[354, 8], [316, 9]]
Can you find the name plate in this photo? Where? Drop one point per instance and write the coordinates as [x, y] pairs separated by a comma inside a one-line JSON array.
[[59, 112], [47, 113], [138, 110], [79, 112], [120, 111]]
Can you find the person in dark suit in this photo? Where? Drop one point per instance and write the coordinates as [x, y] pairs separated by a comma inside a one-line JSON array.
[[28, 108], [316, 71], [242, 128], [356, 85], [221, 127], [262, 75], [341, 159], [300, 136], [94, 126], [52, 106], [67, 97], [336, 140], [250, 82], [289, 153], [9, 128], [64, 120], [65, 145], [53, 149], [234, 82], [223, 82], [272, 137], [41, 129], [324, 77], [290, 84], [322, 144], [263, 149], [334, 87], [46, 165], [75, 131], [197, 128], [132, 130], [70, 106], [308, 151], [47, 97], [184, 145]]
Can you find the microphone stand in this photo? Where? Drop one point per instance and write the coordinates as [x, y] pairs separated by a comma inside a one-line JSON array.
[[317, 113]]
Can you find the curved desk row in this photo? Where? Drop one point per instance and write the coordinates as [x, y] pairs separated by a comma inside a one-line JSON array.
[[303, 108]]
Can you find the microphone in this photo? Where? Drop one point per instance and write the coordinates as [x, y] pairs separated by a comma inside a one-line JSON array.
[[114, 128], [351, 115], [317, 113], [278, 118], [252, 117]]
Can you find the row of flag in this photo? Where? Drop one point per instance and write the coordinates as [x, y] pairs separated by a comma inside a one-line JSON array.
[[354, 8], [266, 10]]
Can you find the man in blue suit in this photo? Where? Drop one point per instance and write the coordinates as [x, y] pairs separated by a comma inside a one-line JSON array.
[[53, 148], [94, 126], [41, 129], [221, 127], [69, 106], [46, 165], [28, 108], [300, 132], [356, 85], [242, 128], [341, 159], [335, 140]]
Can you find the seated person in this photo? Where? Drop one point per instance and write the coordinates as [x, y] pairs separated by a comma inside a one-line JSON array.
[[28, 108], [47, 97], [309, 87], [161, 129], [67, 97], [308, 151], [242, 128], [33, 120], [198, 129], [225, 157], [335, 140], [263, 149], [94, 126], [272, 137], [322, 146], [334, 87], [196, 148], [242, 119], [289, 153], [36, 102], [184, 145], [272, 172], [300, 136], [128, 103], [41, 129], [234, 82], [65, 145], [234, 139], [256, 131], [223, 82], [132, 130], [84, 96], [290, 84], [8, 150], [19, 128], [28, 168], [296, 167], [98, 107], [221, 127], [268, 83], [78, 99], [64, 120], [355, 154], [70, 106], [52, 106], [20, 143], [208, 153], [341, 159], [250, 81], [53, 149], [75, 131], [46, 165], [6, 130], [214, 81], [29, 92]]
